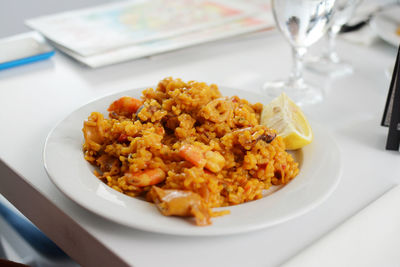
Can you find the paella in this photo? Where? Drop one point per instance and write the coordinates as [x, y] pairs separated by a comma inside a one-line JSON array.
[[187, 148]]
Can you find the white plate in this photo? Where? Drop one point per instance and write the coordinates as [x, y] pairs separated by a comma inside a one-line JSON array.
[[385, 24], [320, 169]]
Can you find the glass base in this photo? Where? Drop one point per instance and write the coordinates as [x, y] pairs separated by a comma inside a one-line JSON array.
[[301, 93], [328, 67]]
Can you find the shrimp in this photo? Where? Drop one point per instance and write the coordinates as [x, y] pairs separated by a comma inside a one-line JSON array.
[[146, 177], [193, 154], [93, 131], [181, 203], [125, 106], [211, 160]]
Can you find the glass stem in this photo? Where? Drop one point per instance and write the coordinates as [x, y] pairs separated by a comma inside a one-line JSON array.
[[296, 77], [331, 54]]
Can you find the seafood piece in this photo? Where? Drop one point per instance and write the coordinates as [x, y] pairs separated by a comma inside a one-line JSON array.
[[146, 177], [218, 110], [211, 160], [108, 163], [125, 106], [181, 203], [93, 131], [193, 154]]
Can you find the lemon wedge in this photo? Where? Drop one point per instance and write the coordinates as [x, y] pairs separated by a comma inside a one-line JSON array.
[[283, 115]]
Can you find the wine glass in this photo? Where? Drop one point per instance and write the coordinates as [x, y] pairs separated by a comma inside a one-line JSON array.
[[302, 22], [329, 63]]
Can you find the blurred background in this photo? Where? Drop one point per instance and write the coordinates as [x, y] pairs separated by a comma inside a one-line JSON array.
[[13, 13]]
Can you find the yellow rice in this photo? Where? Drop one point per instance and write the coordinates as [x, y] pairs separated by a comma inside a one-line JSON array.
[[178, 113]]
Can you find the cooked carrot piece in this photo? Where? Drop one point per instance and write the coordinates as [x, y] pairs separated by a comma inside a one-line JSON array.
[[122, 138]]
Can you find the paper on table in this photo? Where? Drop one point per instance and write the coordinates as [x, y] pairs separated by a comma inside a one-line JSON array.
[[370, 238], [246, 25], [101, 29]]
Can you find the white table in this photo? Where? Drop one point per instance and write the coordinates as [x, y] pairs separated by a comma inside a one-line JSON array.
[[35, 97]]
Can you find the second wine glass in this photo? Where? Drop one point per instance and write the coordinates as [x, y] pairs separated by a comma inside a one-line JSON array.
[[302, 22], [329, 63]]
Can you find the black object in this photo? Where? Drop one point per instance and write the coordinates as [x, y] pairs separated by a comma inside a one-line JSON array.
[[391, 115], [355, 27]]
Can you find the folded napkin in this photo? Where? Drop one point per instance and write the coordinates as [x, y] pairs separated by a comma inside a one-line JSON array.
[[370, 238]]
